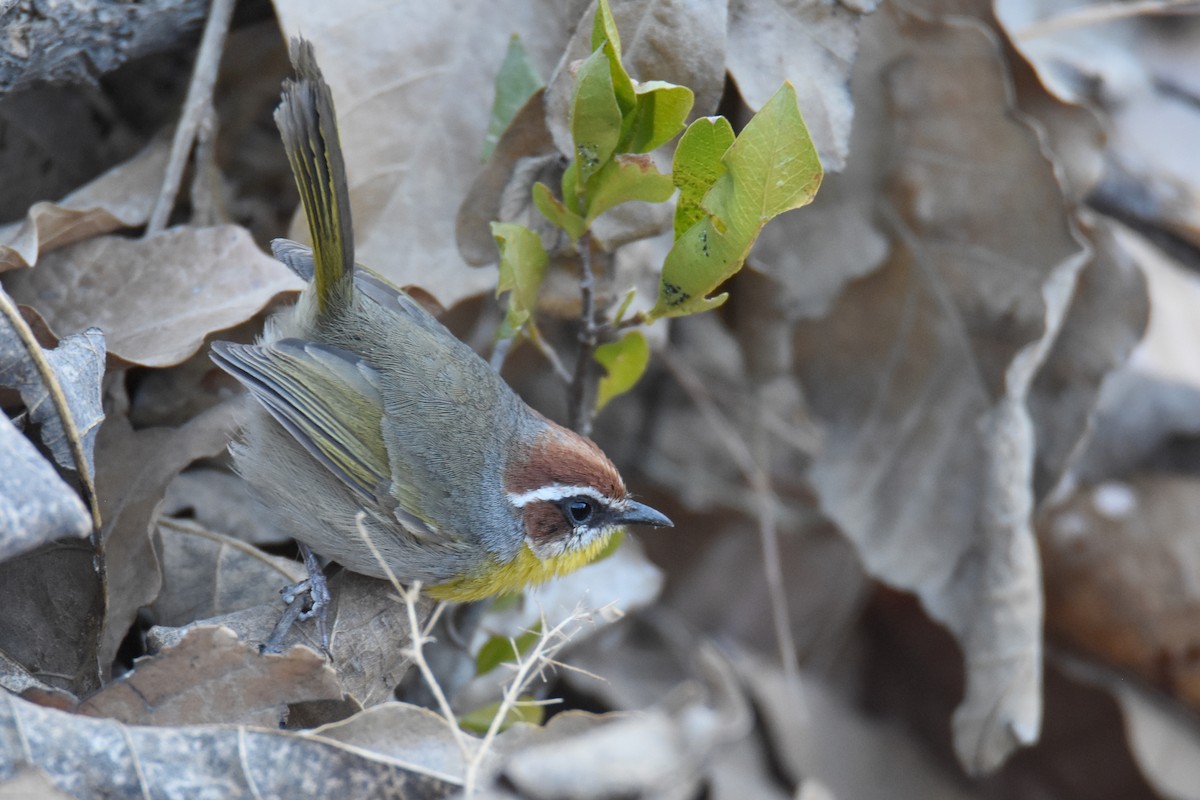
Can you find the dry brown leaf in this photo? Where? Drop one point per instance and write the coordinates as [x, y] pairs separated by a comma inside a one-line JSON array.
[[812, 44], [1120, 562], [133, 469], [210, 677], [29, 781], [1108, 315], [222, 502], [207, 574], [928, 455], [413, 85], [120, 198], [1164, 740], [815, 732], [54, 612], [516, 164], [155, 299], [87, 757], [368, 634], [15, 679]]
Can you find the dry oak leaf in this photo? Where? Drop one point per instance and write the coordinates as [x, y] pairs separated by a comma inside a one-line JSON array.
[[120, 198], [210, 676], [155, 299], [927, 458]]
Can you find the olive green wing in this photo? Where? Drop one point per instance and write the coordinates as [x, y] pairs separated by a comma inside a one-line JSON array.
[[328, 399]]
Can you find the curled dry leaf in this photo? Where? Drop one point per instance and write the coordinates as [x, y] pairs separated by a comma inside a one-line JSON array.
[[133, 470], [209, 676], [816, 733], [928, 454], [16, 680], [368, 634], [36, 505], [509, 176], [810, 43], [75, 366], [663, 752], [53, 600], [413, 86], [1163, 739], [87, 757], [221, 501], [1108, 315], [207, 574], [155, 299], [1120, 561], [120, 198]]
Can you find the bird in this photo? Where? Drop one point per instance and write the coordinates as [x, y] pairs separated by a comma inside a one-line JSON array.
[[373, 421]]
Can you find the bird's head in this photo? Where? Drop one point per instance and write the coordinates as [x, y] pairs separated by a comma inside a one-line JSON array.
[[568, 494]]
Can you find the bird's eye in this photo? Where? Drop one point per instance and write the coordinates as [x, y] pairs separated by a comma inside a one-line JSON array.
[[579, 509]]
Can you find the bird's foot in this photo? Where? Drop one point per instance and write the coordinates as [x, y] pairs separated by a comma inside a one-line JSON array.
[[315, 607]]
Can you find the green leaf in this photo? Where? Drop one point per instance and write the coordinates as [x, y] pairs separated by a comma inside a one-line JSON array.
[[604, 28], [771, 167], [697, 166], [480, 720], [523, 263], [625, 361], [553, 209], [595, 115], [625, 178], [517, 81], [660, 113], [498, 649]]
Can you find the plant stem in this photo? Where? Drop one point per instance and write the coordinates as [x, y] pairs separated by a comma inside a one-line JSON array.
[[580, 404], [196, 109]]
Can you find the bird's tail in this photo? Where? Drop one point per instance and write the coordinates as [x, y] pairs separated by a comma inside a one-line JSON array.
[[308, 127]]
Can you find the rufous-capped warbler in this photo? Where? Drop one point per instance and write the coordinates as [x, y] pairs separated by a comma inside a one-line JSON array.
[[366, 403]]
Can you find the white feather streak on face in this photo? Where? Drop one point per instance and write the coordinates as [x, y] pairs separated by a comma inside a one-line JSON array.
[[557, 492]]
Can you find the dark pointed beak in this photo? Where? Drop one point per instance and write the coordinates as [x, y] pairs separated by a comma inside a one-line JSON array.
[[639, 514]]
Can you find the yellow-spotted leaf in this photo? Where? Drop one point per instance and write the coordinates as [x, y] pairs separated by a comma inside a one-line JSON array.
[[771, 167], [516, 82], [697, 166], [595, 115], [625, 361], [625, 178]]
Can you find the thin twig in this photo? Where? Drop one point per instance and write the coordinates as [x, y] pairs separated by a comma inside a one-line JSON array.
[[546, 646], [8, 309], [580, 394], [539, 341], [419, 636], [1086, 16], [196, 107], [764, 497]]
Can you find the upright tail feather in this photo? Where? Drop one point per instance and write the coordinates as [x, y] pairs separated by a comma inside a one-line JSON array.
[[308, 127]]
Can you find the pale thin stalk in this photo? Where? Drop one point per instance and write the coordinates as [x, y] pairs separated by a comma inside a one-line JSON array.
[[409, 596], [579, 404], [196, 107], [1088, 16], [546, 646], [8, 309], [764, 496]]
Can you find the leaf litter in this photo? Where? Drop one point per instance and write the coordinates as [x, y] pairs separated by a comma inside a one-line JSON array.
[[941, 371]]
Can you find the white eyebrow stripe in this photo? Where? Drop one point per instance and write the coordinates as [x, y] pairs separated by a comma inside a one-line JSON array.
[[555, 492]]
